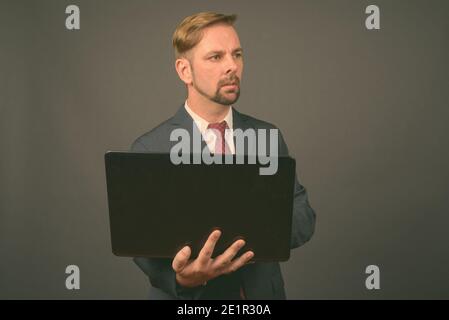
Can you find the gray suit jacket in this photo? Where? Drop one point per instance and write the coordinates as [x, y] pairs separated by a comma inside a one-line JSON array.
[[260, 280]]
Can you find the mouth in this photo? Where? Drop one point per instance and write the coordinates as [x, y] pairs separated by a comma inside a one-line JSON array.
[[233, 86]]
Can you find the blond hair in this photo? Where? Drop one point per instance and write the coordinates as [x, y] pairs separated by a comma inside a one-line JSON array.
[[190, 31]]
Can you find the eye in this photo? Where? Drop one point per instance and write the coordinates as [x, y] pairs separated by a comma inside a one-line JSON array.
[[238, 55], [215, 57]]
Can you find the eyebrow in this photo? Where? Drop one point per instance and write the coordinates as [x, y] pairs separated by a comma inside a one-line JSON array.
[[221, 51]]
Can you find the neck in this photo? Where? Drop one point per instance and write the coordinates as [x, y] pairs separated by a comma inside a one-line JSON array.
[[208, 110]]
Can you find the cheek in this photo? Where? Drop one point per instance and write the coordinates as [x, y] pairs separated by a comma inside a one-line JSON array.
[[210, 78], [240, 70], [204, 75]]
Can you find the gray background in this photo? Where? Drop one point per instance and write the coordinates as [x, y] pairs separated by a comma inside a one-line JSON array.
[[364, 112]]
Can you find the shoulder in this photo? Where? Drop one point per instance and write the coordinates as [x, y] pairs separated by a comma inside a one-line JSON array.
[[265, 125], [153, 138]]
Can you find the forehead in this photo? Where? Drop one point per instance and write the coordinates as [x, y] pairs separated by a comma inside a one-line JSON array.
[[218, 37]]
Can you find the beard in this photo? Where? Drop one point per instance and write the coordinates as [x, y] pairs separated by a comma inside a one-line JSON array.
[[219, 97]]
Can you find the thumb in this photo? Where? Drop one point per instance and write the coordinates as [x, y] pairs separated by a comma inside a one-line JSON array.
[[181, 259]]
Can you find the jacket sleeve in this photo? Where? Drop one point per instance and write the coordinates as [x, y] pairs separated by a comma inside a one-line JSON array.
[[162, 276], [159, 270], [303, 219]]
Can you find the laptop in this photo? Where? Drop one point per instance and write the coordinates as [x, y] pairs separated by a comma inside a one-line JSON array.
[[157, 207]]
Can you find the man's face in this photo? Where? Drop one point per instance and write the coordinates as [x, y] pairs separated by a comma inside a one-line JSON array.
[[217, 64]]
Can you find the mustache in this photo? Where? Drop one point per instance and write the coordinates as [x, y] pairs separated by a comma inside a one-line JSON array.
[[233, 80]]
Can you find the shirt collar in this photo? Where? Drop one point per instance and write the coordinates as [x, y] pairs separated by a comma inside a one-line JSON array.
[[202, 124]]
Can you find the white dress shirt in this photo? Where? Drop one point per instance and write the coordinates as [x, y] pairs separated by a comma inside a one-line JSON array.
[[209, 137]]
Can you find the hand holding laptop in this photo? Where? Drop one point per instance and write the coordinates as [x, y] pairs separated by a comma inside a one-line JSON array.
[[193, 273]]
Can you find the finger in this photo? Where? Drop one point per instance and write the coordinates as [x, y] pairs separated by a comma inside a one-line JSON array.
[[226, 257], [181, 259], [208, 248], [240, 262]]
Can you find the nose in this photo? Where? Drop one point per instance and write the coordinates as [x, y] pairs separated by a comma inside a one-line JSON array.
[[231, 65]]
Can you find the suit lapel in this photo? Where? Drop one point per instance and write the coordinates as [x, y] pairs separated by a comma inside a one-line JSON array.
[[182, 119], [240, 121]]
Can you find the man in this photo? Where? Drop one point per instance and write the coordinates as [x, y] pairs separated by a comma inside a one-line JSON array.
[[209, 60]]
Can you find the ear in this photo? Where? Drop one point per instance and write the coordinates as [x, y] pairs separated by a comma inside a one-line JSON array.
[[184, 70]]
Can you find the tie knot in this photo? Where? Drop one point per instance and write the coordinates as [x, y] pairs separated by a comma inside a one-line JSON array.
[[220, 126]]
